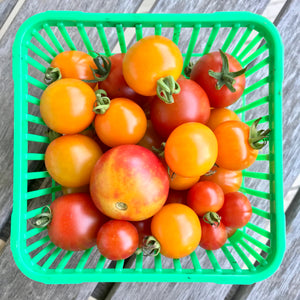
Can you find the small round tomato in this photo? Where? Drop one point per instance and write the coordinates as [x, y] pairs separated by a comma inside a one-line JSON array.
[[177, 229], [230, 231], [71, 190], [228, 180], [180, 183], [221, 76], [204, 197], [235, 149], [190, 105], [115, 84], [176, 197], [130, 183], [66, 106], [144, 230], [73, 64], [124, 122], [151, 138], [70, 159], [117, 239], [213, 236], [150, 59], [236, 210], [191, 149], [220, 115], [75, 222]]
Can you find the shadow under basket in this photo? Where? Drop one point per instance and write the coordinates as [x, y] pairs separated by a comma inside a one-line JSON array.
[[254, 252]]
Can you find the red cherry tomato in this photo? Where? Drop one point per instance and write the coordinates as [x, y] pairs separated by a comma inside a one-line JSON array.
[[236, 210], [213, 236], [223, 96], [230, 231], [151, 138], [75, 222], [190, 105], [117, 239], [205, 196], [176, 197], [144, 230]]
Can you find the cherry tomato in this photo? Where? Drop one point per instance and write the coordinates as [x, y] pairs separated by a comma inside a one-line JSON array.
[[176, 197], [66, 106], [220, 115], [177, 229], [180, 183], [123, 123], [234, 150], [117, 239], [205, 196], [70, 159], [236, 210], [129, 182], [213, 236], [75, 64], [190, 105], [218, 91], [72, 190], [151, 138], [229, 181], [75, 222], [191, 149], [144, 230], [150, 59], [230, 231], [115, 84]]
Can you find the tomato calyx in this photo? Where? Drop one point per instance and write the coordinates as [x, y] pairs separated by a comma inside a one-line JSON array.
[[166, 87], [51, 75], [43, 219], [102, 102], [225, 77], [103, 64], [121, 206], [151, 246], [188, 69], [160, 152], [212, 218], [257, 138]]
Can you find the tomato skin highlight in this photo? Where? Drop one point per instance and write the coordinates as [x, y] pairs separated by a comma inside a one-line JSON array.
[[123, 123], [117, 239], [75, 222], [133, 176], [213, 61], [190, 105], [236, 210], [213, 236], [204, 197], [150, 59], [178, 230], [66, 106], [191, 149], [232, 137], [70, 159]]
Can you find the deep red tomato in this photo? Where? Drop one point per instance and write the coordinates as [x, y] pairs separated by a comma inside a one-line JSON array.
[[219, 79], [190, 105], [205, 196], [236, 210], [176, 197], [75, 222], [177, 229], [228, 180], [115, 84], [144, 230], [151, 138], [230, 231], [129, 182], [213, 236], [117, 239], [66, 106]]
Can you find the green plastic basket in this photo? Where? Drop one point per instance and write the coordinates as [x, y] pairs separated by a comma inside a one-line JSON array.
[[254, 41]]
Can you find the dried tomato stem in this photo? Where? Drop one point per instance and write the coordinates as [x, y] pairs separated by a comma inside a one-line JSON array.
[[159, 151], [43, 219], [102, 102], [257, 138], [166, 87], [51, 75], [212, 218], [151, 246]]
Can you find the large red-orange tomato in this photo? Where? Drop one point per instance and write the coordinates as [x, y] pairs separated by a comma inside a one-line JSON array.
[[129, 183]]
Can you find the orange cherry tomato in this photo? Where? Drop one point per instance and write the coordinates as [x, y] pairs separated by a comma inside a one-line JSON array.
[[180, 183], [70, 159], [234, 150], [75, 64], [67, 106], [123, 123], [177, 229], [191, 149], [229, 181], [150, 59], [220, 115]]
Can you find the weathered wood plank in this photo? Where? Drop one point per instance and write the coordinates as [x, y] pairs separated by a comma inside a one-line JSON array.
[[6, 7]]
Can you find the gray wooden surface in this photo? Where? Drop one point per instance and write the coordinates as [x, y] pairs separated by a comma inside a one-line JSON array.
[[14, 285]]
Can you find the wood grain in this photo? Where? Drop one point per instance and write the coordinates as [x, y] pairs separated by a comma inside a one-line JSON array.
[[6, 7]]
